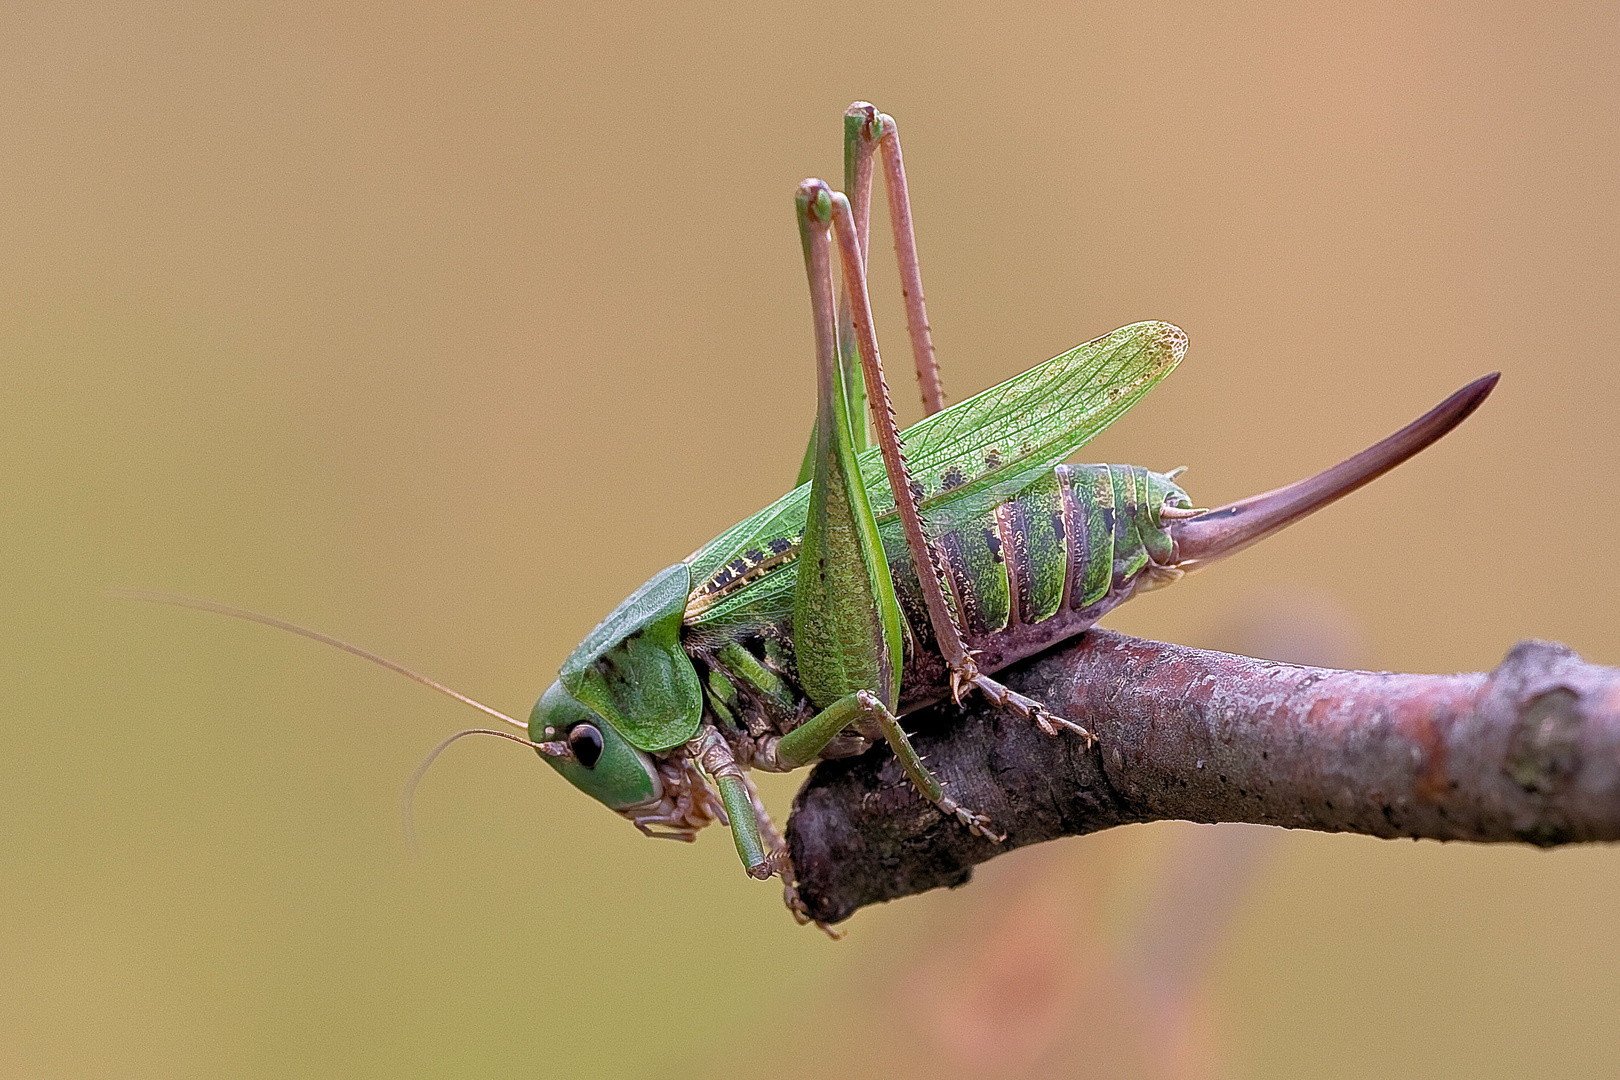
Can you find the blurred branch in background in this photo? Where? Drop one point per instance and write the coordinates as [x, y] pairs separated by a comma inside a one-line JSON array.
[[1529, 752]]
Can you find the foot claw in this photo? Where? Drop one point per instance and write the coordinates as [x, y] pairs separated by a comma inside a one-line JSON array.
[[1056, 725], [1030, 709], [964, 676], [977, 824], [796, 906]]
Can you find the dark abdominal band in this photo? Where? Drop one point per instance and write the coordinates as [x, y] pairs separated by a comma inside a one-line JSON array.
[[1062, 544], [1033, 570]]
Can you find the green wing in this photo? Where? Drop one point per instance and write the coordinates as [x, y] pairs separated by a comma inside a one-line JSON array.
[[991, 446], [974, 454]]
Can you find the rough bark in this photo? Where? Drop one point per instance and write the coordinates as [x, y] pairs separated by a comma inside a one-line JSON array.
[[1529, 752]]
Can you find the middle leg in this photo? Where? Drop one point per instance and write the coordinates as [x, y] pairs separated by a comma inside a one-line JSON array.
[[801, 745]]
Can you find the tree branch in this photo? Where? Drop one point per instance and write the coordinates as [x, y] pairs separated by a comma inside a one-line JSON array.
[[1529, 752]]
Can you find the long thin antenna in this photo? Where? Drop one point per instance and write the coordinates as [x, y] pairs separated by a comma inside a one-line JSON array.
[[314, 635], [553, 749]]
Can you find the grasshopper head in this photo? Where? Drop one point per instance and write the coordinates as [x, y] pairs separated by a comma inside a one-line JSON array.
[[629, 691], [591, 754]]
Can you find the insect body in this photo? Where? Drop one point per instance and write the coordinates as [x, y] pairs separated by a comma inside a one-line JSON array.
[[893, 575], [1031, 552], [898, 575]]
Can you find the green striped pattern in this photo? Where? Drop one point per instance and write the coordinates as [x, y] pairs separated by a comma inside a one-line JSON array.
[[1076, 535]]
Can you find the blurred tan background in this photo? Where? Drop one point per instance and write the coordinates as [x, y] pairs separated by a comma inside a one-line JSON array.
[[441, 329]]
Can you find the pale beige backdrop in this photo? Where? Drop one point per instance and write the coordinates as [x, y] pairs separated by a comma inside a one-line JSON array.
[[443, 328]]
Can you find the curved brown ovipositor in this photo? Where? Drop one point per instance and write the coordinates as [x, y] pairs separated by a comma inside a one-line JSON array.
[[1214, 534]]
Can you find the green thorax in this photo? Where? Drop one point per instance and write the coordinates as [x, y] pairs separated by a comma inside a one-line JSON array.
[[632, 670]]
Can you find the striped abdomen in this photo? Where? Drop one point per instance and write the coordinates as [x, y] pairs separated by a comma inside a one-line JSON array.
[[1045, 564]]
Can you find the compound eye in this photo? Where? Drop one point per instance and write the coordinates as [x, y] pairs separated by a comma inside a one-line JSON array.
[[586, 743]]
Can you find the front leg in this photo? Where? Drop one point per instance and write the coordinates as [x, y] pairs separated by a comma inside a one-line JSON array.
[[783, 862], [715, 757]]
